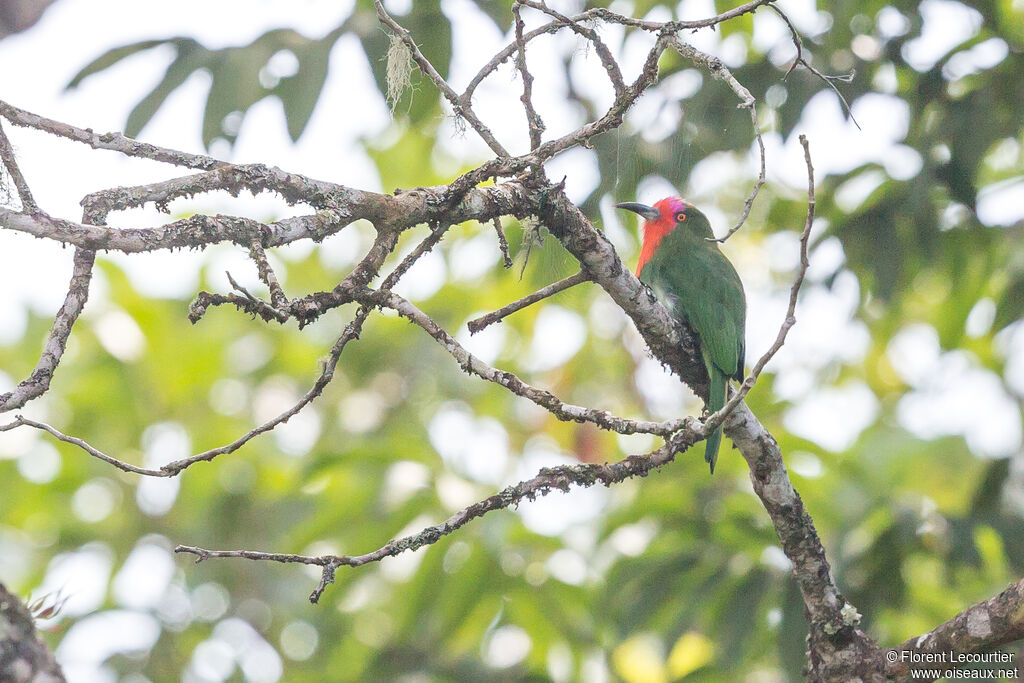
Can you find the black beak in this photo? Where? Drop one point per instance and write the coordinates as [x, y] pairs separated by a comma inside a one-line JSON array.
[[648, 212]]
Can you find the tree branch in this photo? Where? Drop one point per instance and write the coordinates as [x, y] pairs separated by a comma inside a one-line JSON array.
[[980, 627], [23, 657], [549, 479], [461, 107], [38, 381], [554, 288], [10, 162]]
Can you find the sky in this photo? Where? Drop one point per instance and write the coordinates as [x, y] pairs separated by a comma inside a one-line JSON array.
[[952, 395]]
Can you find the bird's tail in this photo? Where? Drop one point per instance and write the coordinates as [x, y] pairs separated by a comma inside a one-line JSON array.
[[716, 399]]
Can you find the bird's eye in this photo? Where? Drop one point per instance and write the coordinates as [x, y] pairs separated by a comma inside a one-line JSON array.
[[680, 217]]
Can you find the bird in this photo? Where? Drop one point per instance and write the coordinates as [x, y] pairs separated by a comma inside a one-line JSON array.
[[685, 268]]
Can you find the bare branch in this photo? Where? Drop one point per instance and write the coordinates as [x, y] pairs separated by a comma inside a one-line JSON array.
[[461, 108], [267, 274], [20, 420], [474, 366], [533, 120], [38, 381], [294, 188], [758, 184], [801, 61], [603, 53], [347, 205], [549, 479], [10, 162], [351, 332], [506, 258], [174, 468], [790, 319], [112, 141], [979, 628], [528, 300]]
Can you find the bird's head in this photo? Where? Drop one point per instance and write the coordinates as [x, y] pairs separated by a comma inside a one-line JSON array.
[[664, 217]]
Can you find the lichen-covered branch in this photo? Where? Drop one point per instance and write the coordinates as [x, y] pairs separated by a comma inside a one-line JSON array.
[[483, 321], [28, 202], [979, 628], [38, 381], [549, 479], [23, 657]]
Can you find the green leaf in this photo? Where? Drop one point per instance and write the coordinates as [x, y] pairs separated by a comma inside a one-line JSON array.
[[300, 93], [191, 56], [112, 57], [1011, 306]]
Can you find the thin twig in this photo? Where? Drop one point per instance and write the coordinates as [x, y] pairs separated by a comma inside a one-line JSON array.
[[506, 257], [37, 383], [533, 120], [256, 178], [111, 141], [603, 53], [28, 203], [554, 288], [714, 420], [801, 61], [757, 185], [474, 366], [267, 274], [549, 479], [75, 441], [461, 108]]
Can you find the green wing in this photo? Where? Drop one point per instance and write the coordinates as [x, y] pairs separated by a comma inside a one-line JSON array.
[[698, 282]]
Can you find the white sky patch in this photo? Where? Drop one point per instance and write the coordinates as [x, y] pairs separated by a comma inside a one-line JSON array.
[[955, 397], [162, 443], [40, 464], [946, 25], [145, 575], [95, 500], [91, 641], [884, 121], [826, 331], [257, 659], [558, 335], [424, 278], [1001, 204], [299, 640], [81, 576], [568, 566], [632, 539], [579, 168], [506, 647], [1010, 343], [361, 411], [163, 274], [403, 480], [663, 393], [474, 447], [984, 55], [553, 514], [486, 344], [120, 335], [914, 352], [470, 259], [833, 417]]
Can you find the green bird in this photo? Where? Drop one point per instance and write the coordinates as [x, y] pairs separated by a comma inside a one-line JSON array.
[[694, 280]]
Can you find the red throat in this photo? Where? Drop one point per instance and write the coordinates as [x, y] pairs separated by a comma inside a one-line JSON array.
[[655, 231]]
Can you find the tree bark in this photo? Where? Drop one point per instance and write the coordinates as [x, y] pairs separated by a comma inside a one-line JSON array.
[[23, 657]]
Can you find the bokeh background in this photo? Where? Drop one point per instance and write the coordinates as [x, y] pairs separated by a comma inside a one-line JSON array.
[[897, 400]]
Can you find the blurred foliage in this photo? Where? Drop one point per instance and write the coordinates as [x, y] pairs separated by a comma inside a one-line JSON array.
[[676, 576]]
